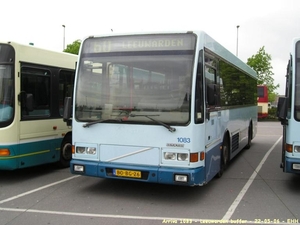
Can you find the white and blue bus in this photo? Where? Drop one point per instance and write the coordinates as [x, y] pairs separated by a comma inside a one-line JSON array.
[[170, 108], [33, 85], [288, 112]]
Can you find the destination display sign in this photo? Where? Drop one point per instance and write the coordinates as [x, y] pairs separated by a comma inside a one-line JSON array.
[[150, 42]]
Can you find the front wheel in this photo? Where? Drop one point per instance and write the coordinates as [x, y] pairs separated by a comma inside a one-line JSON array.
[[66, 151], [224, 156]]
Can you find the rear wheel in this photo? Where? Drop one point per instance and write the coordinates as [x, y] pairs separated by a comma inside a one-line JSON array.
[[250, 133]]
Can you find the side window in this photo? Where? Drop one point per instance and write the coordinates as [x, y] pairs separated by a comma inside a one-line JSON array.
[[237, 87], [36, 83], [66, 84], [212, 81], [199, 107], [210, 75]]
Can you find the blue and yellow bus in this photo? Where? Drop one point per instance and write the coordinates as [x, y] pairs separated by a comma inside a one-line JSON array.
[[288, 112], [33, 85], [172, 108]]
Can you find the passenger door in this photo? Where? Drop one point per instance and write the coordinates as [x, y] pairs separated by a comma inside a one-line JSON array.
[[213, 117], [37, 131]]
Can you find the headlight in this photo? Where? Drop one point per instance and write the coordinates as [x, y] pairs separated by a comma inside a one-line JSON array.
[[297, 149], [296, 166], [78, 168], [182, 156], [80, 150], [176, 156], [91, 150], [170, 155], [86, 150]]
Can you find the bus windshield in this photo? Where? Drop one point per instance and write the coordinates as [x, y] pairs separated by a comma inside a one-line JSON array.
[[135, 78], [6, 93]]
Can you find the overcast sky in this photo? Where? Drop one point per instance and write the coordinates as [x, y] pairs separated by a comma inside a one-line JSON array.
[[269, 23]]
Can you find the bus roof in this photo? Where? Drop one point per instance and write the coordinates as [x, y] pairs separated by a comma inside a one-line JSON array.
[[217, 48], [32, 54]]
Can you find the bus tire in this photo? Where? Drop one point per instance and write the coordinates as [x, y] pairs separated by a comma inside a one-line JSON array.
[[224, 156], [249, 137], [66, 151]]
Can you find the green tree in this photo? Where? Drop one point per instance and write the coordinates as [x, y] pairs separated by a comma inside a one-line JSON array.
[[74, 47], [261, 63]]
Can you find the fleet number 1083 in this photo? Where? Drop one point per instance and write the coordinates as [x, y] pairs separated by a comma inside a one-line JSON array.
[[183, 140]]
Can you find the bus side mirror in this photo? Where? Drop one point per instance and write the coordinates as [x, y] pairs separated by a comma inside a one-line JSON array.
[[68, 111], [282, 109]]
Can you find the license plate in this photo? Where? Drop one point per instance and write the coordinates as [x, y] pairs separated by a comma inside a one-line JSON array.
[[127, 173]]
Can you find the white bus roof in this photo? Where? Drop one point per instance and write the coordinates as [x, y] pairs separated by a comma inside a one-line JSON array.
[[42, 56]]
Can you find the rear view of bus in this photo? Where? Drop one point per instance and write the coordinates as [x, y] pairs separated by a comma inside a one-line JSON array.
[[288, 112], [33, 85], [170, 108], [262, 101]]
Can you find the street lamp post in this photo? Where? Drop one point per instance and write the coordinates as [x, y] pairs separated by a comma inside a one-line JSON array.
[[237, 40], [64, 37]]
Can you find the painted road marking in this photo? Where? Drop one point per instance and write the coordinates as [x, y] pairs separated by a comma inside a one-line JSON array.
[[37, 189], [240, 196]]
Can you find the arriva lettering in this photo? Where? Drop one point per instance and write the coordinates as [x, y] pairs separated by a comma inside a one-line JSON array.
[[169, 221]]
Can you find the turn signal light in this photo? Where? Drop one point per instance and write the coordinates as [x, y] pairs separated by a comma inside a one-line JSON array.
[[4, 152], [202, 156], [194, 157], [289, 148]]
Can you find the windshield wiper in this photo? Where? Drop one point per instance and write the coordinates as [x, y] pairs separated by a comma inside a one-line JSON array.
[[107, 120], [101, 121], [171, 129]]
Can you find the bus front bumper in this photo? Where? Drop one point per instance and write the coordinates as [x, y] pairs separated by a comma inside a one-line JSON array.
[[292, 165], [164, 175]]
